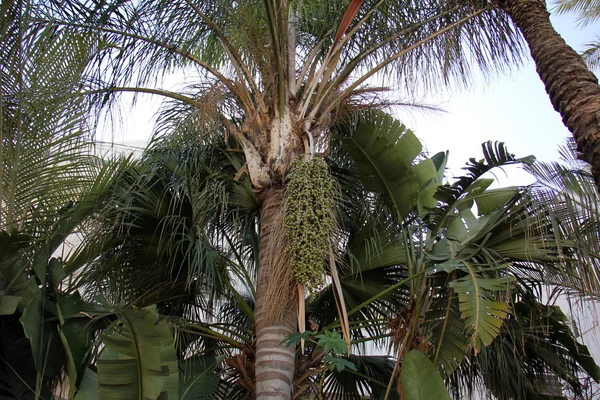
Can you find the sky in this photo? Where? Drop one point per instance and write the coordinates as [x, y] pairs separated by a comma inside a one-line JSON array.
[[513, 108]]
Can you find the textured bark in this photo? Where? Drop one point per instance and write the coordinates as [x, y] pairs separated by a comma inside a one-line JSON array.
[[274, 363], [573, 89]]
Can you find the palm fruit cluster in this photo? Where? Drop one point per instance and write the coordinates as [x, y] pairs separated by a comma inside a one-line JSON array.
[[309, 220]]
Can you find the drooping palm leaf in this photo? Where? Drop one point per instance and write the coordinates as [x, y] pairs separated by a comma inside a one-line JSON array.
[[44, 152], [139, 360], [568, 190], [370, 378], [482, 314], [537, 345], [420, 380]]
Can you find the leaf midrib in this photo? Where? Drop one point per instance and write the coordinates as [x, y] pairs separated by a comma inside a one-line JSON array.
[[380, 176]]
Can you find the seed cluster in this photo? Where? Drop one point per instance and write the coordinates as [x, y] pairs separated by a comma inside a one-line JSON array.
[[309, 220]]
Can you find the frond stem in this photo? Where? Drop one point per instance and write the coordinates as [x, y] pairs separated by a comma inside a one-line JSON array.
[[350, 67], [401, 53], [243, 96], [160, 92], [273, 29], [241, 68]]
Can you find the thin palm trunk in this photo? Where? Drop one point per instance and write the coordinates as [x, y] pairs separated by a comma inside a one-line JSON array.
[[573, 89], [274, 322]]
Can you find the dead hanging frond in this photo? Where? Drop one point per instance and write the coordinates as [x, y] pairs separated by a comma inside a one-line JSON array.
[[338, 294]]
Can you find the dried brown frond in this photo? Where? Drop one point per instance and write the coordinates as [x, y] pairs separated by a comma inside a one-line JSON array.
[[243, 366], [401, 325]]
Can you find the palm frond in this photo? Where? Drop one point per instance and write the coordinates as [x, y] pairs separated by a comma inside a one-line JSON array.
[[591, 54], [569, 194], [370, 378], [45, 149], [536, 345], [588, 10]]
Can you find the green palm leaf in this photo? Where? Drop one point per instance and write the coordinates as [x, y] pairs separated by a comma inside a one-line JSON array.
[[482, 314], [535, 343], [448, 338], [44, 155], [420, 379], [197, 380], [370, 376], [139, 360], [384, 151]]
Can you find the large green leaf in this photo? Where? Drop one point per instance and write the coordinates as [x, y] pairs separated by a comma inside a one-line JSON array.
[[447, 330], [139, 360], [460, 195], [383, 151], [8, 304], [197, 380], [33, 319], [375, 247], [482, 314], [13, 278], [88, 387], [420, 379]]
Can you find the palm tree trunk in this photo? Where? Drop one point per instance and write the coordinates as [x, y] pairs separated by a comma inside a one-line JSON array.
[[275, 311], [573, 89]]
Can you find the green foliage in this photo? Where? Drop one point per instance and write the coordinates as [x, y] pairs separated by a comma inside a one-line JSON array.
[[139, 360], [44, 154], [309, 220], [587, 12], [171, 228], [420, 380], [197, 379], [535, 343], [384, 153], [147, 231], [380, 261], [332, 342], [13, 280], [295, 338], [483, 315], [338, 363]]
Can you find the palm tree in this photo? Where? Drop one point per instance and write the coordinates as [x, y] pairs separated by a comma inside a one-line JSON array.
[[279, 75], [588, 12], [572, 88], [426, 263], [276, 81]]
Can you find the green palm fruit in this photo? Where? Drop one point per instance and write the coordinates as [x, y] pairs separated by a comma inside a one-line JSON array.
[[309, 220]]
